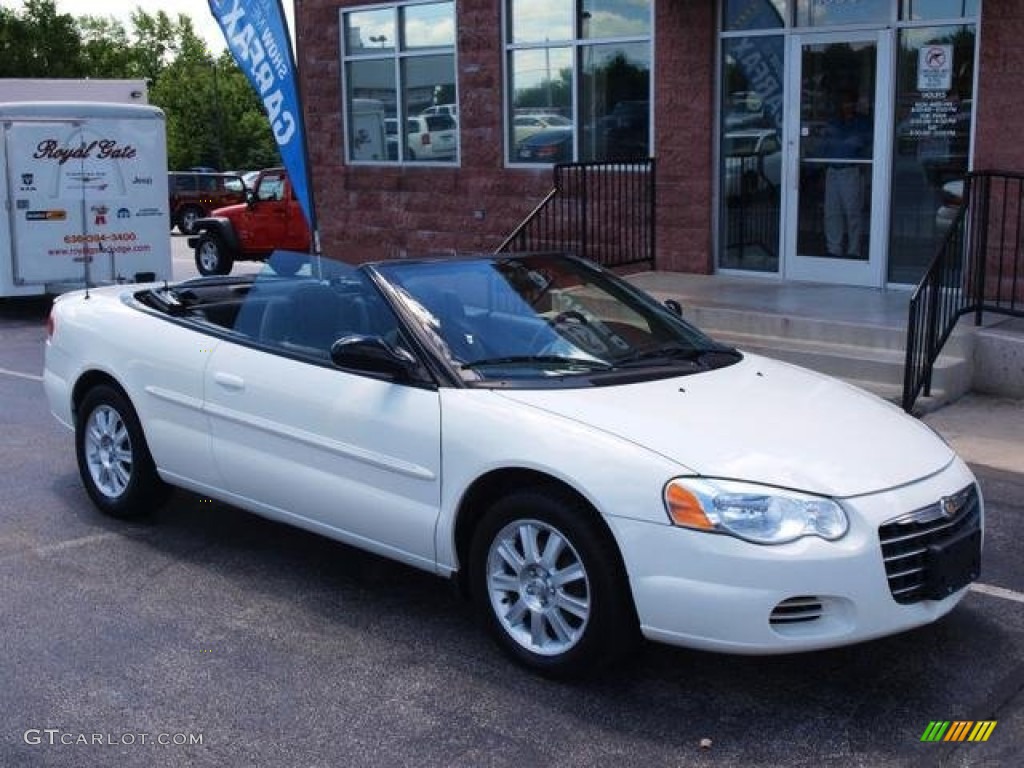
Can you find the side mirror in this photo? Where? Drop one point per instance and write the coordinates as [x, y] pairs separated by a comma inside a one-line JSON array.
[[371, 354], [674, 307], [250, 197]]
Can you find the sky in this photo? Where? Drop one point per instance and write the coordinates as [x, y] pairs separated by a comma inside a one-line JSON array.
[[197, 10]]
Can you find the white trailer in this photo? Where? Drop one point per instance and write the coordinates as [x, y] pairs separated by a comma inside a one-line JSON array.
[[120, 91], [83, 198]]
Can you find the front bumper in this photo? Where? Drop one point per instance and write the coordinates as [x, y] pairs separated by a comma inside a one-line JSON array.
[[719, 593]]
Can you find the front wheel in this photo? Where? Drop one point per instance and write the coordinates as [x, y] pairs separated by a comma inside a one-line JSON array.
[[113, 458], [211, 257], [549, 584]]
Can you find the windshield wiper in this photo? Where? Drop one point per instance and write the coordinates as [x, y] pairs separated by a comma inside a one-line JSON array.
[[672, 352], [546, 360]]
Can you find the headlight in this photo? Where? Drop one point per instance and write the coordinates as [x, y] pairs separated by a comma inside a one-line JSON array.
[[757, 513]]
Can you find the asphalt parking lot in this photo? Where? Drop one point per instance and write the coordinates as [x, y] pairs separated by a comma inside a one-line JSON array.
[[211, 637]]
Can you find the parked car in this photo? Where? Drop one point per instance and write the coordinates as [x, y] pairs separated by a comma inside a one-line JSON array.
[[552, 145], [431, 137], [753, 161], [586, 465], [270, 219], [524, 126], [193, 195]]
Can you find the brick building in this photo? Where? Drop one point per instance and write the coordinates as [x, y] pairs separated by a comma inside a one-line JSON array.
[[817, 140]]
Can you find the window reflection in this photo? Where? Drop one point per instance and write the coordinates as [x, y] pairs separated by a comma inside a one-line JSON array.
[[372, 97], [751, 152], [614, 108], [920, 10], [428, 26], [556, 65], [428, 83], [931, 147], [755, 14], [820, 13], [370, 31], [615, 18], [419, 123], [538, 21], [542, 83]]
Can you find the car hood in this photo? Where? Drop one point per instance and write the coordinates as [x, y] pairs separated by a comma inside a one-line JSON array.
[[762, 421]]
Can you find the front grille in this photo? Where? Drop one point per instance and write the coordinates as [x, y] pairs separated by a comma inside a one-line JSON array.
[[796, 610], [909, 543]]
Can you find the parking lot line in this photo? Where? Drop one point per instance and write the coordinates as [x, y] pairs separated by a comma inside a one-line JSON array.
[[18, 375], [60, 546], [1006, 594]]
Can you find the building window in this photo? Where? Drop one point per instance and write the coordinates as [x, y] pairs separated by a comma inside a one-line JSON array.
[[399, 84], [753, 73], [579, 80]]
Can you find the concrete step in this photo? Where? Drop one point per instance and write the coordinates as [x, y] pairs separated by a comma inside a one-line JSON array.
[[753, 323], [854, 363]]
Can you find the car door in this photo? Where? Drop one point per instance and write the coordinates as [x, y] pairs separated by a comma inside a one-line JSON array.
[[271, 223], [343, 453]]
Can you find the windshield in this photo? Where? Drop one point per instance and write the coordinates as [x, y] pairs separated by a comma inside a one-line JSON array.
[[543, 317]]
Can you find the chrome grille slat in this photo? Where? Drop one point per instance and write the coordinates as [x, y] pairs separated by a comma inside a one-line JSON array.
[[904, 555], [905, 541], [796, 610], [904, 590], [919, 534], [904, 574]]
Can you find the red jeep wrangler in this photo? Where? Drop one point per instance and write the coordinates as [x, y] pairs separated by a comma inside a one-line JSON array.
[[271, 219]]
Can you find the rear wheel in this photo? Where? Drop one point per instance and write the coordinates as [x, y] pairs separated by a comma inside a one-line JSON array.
[[113, 458], [549, 585], [211, 257]]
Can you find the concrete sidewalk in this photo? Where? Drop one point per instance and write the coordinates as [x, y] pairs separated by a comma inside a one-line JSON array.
[[984, 430]]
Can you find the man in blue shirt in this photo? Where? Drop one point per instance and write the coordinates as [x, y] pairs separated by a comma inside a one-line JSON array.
[[847, 144]]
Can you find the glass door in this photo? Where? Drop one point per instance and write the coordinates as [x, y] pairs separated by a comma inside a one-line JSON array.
[[838, 120]]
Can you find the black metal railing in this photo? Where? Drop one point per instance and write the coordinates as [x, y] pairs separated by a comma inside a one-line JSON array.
[[752, 210], [601, 211], [979, 268]]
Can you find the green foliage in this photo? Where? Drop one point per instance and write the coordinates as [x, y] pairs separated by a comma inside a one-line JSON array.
[[213, 116], [39, 42]]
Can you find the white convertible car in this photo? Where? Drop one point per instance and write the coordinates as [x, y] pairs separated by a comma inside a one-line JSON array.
[[591, 468]]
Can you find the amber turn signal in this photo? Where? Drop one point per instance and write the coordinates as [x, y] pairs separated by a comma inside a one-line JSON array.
[[684, 508]]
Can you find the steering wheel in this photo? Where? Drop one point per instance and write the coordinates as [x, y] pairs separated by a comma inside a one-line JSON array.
[[569, 315]]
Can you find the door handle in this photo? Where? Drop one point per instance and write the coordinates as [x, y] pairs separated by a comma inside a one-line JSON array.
[[230, 381]]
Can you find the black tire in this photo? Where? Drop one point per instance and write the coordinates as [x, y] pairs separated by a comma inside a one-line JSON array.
[[187, 217], [562, 629], [113, 459], [212, 257]]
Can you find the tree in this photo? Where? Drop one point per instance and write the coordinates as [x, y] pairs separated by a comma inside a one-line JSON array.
[[214, 117], [39, 43]]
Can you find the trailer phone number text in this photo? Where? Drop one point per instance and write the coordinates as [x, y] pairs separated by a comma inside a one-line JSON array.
[[97, 237]]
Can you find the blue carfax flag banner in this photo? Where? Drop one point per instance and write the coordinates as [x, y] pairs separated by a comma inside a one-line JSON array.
[[257, 36]]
